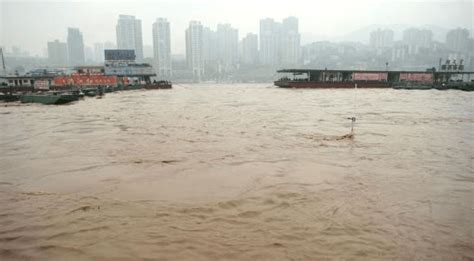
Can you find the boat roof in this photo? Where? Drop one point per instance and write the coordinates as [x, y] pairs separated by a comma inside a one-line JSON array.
[[16, 77], [301, 71], [89, 67]]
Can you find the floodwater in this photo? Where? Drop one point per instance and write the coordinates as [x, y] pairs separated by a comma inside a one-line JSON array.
[[239, 172]]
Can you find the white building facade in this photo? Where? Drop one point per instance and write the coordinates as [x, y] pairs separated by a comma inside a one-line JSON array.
[[75, 46], [381, 38], [162, 48], [129, 34], [57, 53], [270, 39], [227, 46], [250, 49], [194, 50], [290, 45]]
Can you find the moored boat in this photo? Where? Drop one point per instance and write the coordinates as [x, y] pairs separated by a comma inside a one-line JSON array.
[[325, 79], [330, 84], [49, 98], [9, 97], [410, 80], [158, 85], [90, 92]]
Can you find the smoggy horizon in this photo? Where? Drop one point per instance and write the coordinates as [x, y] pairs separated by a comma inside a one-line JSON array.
[[31, 24]]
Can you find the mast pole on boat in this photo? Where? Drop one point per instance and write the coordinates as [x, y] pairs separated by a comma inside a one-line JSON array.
[[3, 61], [353, 118], [3, 72]]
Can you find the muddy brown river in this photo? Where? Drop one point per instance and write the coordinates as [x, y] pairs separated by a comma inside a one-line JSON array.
[[239, 172]]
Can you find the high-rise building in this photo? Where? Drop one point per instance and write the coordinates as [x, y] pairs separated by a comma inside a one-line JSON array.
[[129, 34], [209, 42], [57, 53], [99, 52], [194, 49], [209, 53], [75, 47], [227, 46], [89, 54], [381, 38], [400, 52], [270, 42], [280, 43], [458, 40], [162, 48], [250, 49], [290, 37], [417, 38], [109, 46]]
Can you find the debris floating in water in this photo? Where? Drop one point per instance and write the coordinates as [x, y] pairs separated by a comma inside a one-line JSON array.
[[317, 137]]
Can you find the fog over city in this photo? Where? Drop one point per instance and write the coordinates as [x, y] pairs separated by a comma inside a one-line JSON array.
[[320, 28], [29, 24]]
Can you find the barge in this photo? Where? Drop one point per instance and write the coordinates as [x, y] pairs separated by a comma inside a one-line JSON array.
[[49, 98], [158, 85], [323, 79]]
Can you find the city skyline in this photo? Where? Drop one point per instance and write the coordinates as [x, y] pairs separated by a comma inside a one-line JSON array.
[[218, 54], [397, 36], [447, 15]]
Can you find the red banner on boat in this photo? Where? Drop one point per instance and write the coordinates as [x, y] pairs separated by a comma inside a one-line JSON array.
[[369, 76], [85, 80], [416, 77]]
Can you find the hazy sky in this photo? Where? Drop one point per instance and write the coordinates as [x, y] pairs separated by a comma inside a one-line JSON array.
[[30, 24]]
